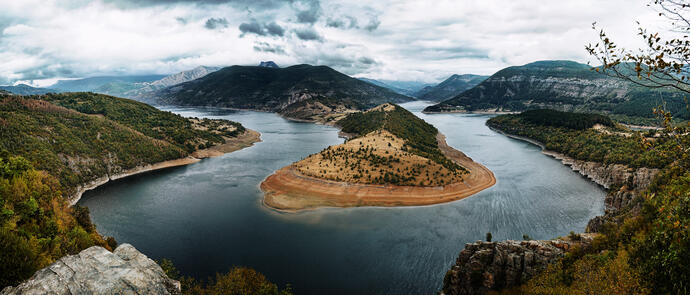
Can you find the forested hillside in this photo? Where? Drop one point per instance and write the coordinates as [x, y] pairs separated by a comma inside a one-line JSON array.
[[100, 135], [572, 134], [278, 90]]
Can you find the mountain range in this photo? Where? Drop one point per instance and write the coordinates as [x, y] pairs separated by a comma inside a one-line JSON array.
[[409, 88], [23, 89], [302, 92], [560, 85], [94, 83], [450, 87]]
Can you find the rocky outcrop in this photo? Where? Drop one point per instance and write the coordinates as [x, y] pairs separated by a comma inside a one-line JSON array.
[[609, 175], [98, 271], [485, 266]]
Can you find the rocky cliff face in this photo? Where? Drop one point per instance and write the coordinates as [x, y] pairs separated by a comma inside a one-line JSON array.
[[98, 271], [485, 266], [609, 175]]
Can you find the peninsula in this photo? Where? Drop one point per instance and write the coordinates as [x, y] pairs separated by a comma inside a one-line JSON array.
[[392, 158]]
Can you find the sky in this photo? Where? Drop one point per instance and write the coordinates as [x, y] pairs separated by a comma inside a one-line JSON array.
[[42, 41]]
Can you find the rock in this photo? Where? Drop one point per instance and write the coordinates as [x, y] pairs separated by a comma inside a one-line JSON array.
[[484, 266], [98, 271]]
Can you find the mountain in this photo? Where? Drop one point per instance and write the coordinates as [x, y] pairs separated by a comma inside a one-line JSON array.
[[561, 85], [146, 89], [23, 89], [409, 88], [268, 64], [305, 92], [93, 83], [450, 87]]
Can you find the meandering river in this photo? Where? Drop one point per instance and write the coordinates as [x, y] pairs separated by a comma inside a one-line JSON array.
[[207, 217]]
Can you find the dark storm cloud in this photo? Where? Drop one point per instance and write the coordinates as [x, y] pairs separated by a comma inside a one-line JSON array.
[[373, 24], [266, 47], [274, 29], [309, 15], [367, 60], [216, 23], [254, 27], [345, 22], [308, 34]]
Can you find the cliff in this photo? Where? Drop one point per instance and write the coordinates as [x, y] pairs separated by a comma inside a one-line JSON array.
[[559, 85], [484, 266], [98, 271]]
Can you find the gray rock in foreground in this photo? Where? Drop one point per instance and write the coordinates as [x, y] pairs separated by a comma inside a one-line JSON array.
[[98, 271]]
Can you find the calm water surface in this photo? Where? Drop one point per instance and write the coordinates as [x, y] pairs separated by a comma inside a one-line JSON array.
[[207, 216]]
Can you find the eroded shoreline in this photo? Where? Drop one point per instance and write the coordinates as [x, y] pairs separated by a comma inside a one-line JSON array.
[[290, 191], [246, 139]]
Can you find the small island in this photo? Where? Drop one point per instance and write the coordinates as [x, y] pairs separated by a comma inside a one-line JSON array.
[[391, 158]]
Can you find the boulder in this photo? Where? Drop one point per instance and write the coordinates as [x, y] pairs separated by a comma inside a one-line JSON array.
[[98, 271]]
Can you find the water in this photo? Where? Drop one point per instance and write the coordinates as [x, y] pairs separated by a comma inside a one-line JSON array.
[[207, 216]]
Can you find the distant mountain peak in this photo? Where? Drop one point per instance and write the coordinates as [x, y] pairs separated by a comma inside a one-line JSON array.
[[268, 64]]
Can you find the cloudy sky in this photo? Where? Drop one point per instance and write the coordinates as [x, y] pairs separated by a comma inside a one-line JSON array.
[[45, 40]]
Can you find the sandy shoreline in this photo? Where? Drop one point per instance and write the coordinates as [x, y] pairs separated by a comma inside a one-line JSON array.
[[288, 190], [246, 139]]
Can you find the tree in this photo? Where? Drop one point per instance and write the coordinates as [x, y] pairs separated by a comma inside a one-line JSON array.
[[663, 63]]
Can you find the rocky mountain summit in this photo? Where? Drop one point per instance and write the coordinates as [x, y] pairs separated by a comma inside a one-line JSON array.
[[268, 64], [98, 271]]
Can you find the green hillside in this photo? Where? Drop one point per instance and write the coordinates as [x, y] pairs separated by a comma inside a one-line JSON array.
[[419, 136], [565, 86], [277, 89], [571, 134], [79, 137]]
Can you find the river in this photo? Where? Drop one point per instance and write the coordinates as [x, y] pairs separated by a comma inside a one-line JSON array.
[[208, 216]]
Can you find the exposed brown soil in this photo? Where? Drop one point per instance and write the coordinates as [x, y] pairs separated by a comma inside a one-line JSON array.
[[289, 190]]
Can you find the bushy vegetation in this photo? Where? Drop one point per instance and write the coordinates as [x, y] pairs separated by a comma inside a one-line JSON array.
[[146, 119], [419, 136], [36, 225], [238, 281], [647, 254], [645, 250], [578, 121], [587, 144], [74, 147]]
